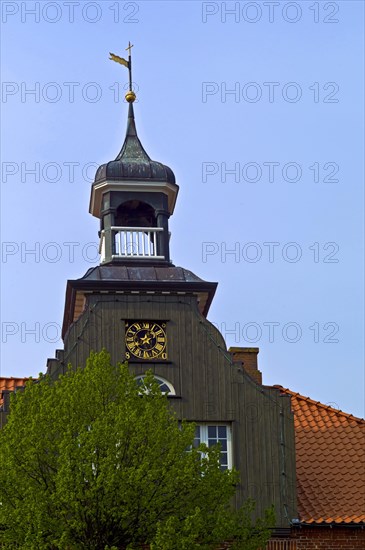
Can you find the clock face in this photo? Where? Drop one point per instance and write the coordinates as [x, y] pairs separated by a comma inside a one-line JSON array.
[[146, 340]]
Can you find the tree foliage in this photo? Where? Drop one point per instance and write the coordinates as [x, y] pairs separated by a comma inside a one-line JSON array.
[[87, 462]]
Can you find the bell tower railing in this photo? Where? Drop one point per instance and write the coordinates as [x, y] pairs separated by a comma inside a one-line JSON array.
[[132, 243]]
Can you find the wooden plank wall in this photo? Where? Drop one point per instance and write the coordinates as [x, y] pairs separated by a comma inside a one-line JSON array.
[[210, 388]]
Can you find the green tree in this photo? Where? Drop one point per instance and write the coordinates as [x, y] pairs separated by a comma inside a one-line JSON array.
[[88, 462]]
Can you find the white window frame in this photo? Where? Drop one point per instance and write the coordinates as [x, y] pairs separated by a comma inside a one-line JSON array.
[[161, 381], [205, 439]]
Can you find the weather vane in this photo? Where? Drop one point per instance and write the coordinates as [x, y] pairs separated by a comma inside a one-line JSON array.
[[130, 95]]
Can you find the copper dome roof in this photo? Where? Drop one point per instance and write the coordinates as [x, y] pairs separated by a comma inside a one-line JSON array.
[[133, 163]]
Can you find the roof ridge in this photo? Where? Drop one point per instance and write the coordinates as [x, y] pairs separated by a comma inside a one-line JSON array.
[[318, 403]]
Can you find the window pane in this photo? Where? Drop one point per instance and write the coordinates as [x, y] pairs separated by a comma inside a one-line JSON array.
[[164, 387], [212, 442], [212, 432], [223, 443], [222, 432], [223, 459]]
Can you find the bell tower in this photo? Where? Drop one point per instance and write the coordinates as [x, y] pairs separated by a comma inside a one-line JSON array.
[[133, 196], [143, 309]]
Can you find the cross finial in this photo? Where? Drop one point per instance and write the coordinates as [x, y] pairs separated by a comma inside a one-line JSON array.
[[130, 96], [130, 46]]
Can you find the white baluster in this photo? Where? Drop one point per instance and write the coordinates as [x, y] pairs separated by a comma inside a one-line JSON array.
[[117, 239], [138, 234], [136, 242]]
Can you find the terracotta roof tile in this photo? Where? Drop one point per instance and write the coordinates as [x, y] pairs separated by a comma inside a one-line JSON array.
[[10, 384], [330, 460]]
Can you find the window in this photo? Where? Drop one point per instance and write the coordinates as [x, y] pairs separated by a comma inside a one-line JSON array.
[[165, 386], [211, 434]]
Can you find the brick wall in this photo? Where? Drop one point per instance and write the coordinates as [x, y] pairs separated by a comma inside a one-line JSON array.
[[248, 358], [321, 538]]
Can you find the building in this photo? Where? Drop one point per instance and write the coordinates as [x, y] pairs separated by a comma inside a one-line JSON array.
[[143, 309], [330, 472], [140, 307]]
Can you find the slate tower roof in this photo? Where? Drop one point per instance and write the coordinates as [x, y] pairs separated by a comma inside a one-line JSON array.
[[132, 162]]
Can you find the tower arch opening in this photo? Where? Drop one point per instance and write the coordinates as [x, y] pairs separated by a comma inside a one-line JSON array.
[[135, 213]]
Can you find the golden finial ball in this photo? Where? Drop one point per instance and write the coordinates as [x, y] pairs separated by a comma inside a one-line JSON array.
[[130, 96]]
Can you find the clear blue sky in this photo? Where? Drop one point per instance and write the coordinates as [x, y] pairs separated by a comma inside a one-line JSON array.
[[291, 130]]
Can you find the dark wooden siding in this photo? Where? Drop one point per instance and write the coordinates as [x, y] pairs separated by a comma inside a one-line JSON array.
[[210, 387]]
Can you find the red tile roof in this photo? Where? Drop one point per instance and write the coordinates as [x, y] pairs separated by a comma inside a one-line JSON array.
[[10, 384], [330, 460]]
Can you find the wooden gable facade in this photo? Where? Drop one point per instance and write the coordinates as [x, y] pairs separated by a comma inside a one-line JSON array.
[[210, 387]]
